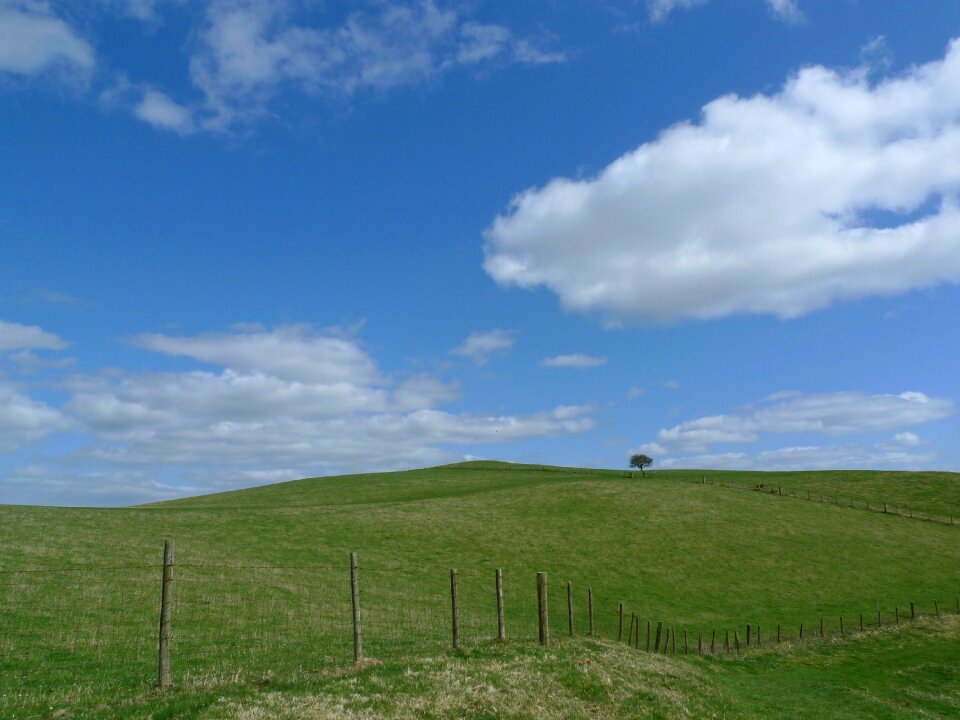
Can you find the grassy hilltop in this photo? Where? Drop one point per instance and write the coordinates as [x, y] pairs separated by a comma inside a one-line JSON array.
[[262, 611]]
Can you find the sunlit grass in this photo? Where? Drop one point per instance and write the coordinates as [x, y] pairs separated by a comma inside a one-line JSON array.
[[262, 576]]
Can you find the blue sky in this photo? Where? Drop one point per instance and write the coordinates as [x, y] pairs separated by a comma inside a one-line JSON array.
[[246, 241]]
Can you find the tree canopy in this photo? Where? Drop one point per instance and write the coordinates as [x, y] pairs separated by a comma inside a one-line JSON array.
[[641, 461]]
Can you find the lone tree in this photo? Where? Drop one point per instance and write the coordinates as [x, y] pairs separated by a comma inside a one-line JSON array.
[[641, 461]]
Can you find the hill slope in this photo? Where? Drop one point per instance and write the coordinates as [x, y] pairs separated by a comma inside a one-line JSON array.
[[262, 584]]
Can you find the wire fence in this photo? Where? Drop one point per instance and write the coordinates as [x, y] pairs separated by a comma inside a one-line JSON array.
[[889, 507], [91, 632], [858, 503]]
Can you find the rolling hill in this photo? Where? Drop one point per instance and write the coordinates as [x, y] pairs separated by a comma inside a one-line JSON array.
[[262, 597]]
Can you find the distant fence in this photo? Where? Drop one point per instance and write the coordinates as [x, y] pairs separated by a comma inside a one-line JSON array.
[[73, 632], [878, 506], [882, 507]]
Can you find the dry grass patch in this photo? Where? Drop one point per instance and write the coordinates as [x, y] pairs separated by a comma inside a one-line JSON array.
[[577, 680]]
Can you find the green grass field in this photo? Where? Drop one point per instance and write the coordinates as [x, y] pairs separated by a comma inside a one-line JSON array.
[[262, 602]]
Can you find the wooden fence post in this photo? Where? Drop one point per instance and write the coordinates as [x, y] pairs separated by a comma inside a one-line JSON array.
[[748, 634], [936, 608], [656, 645], [778, 633], [501, 626], [861, 622], [801, 631], [821, 627], [673, 640], [620, 626], [455, 609], [648, 636], [913, 611], [165, 676], [544, 617], [355, 597], [590, 608], [842, 633], [896, 615], [633, 619], [700, 643], [759, 643], [686, 650], [570, 607], [736, 638], [713, 642], [879, 619]]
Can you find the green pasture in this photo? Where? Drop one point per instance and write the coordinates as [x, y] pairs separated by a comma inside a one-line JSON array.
[[262, 595]]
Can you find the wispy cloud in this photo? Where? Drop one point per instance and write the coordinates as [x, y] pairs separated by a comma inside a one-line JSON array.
[[831, 414], [24, 420], [806, 457], [786, 10], [158, 109], [250, 51], [33, 40], [577, 360], [481, 346], [14, 336]]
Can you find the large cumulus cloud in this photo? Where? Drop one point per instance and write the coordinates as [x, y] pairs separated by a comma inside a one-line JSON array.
[[836, 187]]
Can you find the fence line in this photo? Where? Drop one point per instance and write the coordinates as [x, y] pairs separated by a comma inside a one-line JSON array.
[[883, 508], [215, 625]]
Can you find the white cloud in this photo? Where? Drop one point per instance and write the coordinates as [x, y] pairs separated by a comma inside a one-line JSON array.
[[634, 392], [292, 398], [159, 110], [24, 420], [56, 485], [479, 346], [787, 10], [706, 221], [671, 384], [577, 360], [829, 414], [252, 49], [876, 54], [906, 439], [14, 336], [706, 431], [30, 361], [660, 9], [652, 449], [292, 352], [33, 40], [809, 457]]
